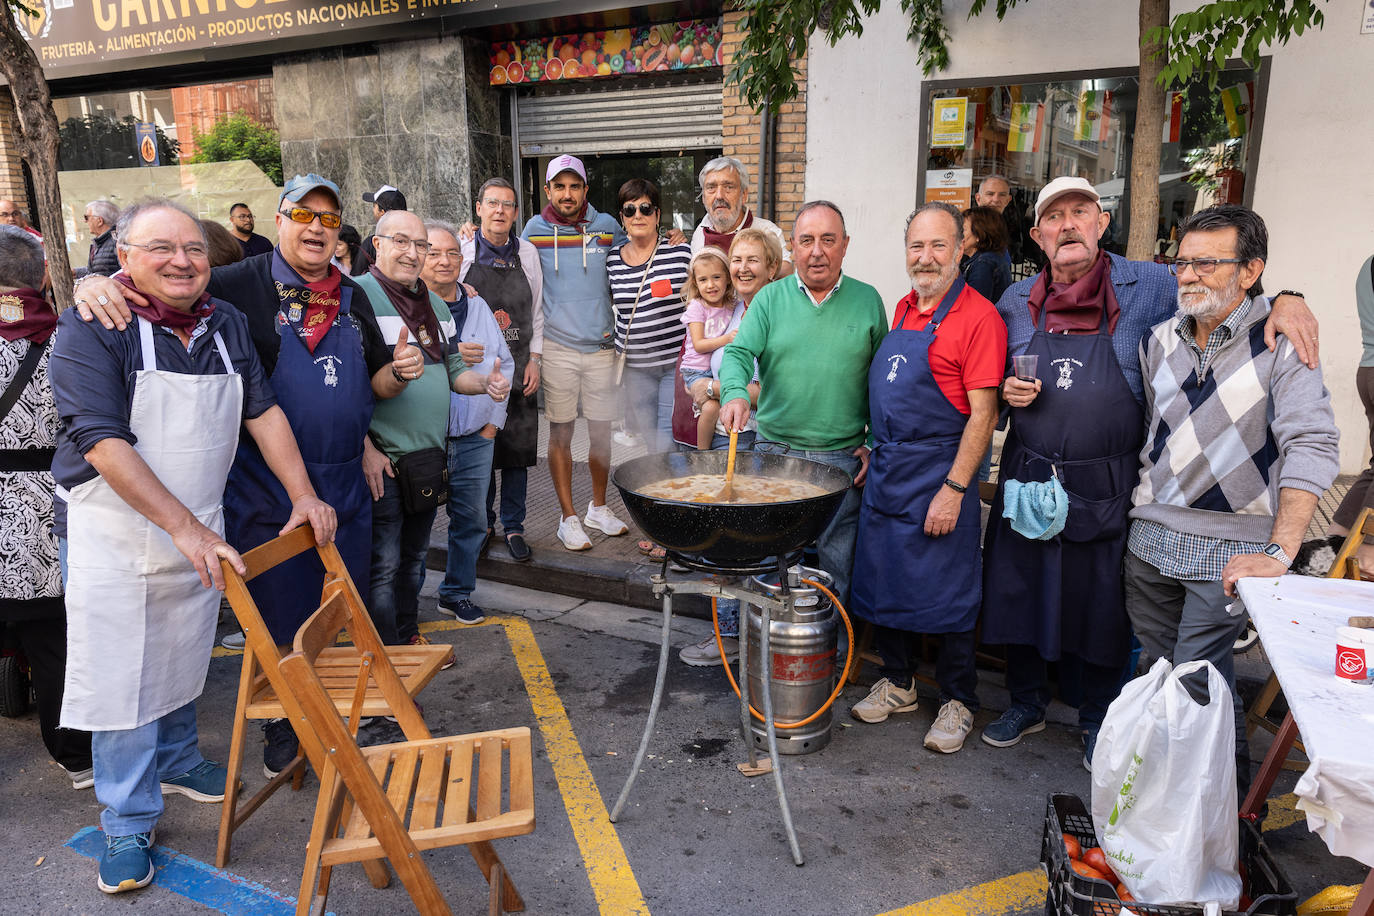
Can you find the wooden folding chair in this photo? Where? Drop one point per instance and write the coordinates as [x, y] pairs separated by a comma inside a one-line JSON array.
[[389, 802], [258, 696]]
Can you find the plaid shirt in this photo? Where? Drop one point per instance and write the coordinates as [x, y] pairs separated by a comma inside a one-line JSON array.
[[1186, 329], [1192, 557]]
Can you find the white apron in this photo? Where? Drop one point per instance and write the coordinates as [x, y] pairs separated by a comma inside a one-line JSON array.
[[140, 626]]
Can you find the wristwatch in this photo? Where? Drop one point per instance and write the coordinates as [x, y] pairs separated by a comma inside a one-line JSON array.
[[1278, 553]]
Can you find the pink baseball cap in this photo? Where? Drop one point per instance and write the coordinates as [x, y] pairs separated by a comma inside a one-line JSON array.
[[565, 164]]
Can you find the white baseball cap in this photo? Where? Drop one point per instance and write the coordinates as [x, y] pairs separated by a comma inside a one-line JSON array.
[[1056, 189], [565, 164]]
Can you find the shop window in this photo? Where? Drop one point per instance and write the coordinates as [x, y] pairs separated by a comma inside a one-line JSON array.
[[1034, 130]]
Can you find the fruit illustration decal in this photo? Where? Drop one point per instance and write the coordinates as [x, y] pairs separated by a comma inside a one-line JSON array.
[[689, 44]]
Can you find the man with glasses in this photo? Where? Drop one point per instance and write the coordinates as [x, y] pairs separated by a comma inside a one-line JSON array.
[[1242, 442], [319, 343], [241, 225], [151, 415], [409, 431], [1081, 419], [504, 269], [11, 214], [725, 195]]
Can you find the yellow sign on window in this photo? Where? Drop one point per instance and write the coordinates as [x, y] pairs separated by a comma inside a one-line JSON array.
[[948, 120]]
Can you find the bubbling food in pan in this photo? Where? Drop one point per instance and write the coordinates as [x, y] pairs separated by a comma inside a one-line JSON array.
[[705, 488]]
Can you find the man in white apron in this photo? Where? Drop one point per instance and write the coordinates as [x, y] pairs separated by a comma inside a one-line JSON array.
[[150, 424]]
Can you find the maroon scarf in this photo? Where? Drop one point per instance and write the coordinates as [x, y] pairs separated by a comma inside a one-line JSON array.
[[415, 311], [25, 313], [556, 218], [722, 240], [1077, 308], [164, 315]]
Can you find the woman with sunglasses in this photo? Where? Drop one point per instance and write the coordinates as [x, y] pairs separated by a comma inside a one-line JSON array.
[[646, 275]]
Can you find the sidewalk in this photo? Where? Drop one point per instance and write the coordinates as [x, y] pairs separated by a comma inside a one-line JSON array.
[[613, 570]]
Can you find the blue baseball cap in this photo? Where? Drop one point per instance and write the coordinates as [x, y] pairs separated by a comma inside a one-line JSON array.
[[301, 185]]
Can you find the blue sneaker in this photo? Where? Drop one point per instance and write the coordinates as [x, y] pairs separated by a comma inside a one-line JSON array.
[[126, 864], [204, 782], [1013, 725], [1089, 745]]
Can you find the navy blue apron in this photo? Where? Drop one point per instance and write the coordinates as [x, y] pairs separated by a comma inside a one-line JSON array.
[[327, 397], [1065, 595], [507, 291], [902, 578]]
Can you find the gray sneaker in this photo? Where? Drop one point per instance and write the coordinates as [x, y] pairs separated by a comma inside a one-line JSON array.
[[950, 728], [706, 653], [884, 699]]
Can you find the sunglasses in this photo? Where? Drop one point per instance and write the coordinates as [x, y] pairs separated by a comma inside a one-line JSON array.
[[628, 210], [305, 216]]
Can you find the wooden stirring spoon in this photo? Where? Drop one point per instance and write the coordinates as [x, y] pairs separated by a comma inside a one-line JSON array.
[[727, 492]]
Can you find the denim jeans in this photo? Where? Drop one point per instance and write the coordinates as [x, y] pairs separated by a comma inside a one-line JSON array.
[[727, 609], [955, 668], [514, 485], [744, 441], [836, 543], [469, 475], [649, 405], [130, 765], [399, 544]]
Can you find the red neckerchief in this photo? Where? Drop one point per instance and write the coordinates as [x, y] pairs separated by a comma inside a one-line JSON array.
[[321, 308], [1077, 308], [722, 240], [164, 315], [414, 308], [24, 313], [554, 217]]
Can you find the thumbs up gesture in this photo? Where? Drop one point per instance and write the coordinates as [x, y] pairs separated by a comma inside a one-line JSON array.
[[407, 362], [498, 386]]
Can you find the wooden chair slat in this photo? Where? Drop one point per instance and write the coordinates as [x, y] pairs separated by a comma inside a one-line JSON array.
[[458, 789], [429, 788], [490, 751]]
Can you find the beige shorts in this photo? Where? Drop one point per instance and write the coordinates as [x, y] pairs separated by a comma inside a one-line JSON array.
[[569, 376]]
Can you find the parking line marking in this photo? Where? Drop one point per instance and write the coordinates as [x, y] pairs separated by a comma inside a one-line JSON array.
[[1020, 891], [220, 890], [1283, 812]]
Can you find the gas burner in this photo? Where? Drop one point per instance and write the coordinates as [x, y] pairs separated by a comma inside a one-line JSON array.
[[700, 564]]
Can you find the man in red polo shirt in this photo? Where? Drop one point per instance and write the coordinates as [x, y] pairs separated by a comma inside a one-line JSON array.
[[932, 395]]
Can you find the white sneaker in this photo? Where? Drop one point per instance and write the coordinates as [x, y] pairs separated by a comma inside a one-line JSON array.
[[234, 641], [603, 519], [81, 779], [571, 534], [885, 698], [627, 439], [706, 653], [950, 728]]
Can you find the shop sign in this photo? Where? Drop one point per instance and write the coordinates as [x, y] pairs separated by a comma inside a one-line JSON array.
[[951, 186], [75, 38], [948, 119], [687, 45]]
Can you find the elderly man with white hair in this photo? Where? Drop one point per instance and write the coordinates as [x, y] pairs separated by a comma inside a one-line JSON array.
[[100, 221], [725, 194]]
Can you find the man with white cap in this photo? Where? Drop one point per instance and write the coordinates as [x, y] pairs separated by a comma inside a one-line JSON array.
[[573, 240], [1060, 598]]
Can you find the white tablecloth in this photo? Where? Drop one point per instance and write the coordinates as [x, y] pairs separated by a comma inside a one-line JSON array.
[[1297, 617]]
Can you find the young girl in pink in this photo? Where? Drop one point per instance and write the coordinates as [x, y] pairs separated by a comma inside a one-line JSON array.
[[710, 296]]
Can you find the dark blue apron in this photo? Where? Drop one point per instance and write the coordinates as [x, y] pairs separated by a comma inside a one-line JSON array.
[[902, 578], [1065, 595], [327, 397]]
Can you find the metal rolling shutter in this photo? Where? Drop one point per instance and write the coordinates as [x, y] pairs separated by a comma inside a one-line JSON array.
[[621, 120]]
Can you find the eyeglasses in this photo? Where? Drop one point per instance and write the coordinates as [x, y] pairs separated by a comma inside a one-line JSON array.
[[453, 254], [306, 216], [9, 214], [194, 251], [503, 204], [405, 244], [628, 210], [1203, 267], [713, 187]]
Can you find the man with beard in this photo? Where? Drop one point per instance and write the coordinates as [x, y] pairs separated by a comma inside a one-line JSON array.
[[1059, 597], [1241, 444], [932, 401], [725, 194], [241, 226]]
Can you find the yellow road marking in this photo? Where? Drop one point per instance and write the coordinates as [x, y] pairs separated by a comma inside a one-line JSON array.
[[1005, 895], [1283, 812]]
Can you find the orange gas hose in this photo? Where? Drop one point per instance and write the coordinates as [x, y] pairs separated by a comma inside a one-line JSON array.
[[844, 675]]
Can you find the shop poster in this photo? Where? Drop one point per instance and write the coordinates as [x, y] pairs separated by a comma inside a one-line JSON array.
[[951, 186], [948, 119], [686, 45]]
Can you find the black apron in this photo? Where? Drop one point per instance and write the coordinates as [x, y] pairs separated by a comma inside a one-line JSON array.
[[1065, 595], [507, 291], [902, 578]]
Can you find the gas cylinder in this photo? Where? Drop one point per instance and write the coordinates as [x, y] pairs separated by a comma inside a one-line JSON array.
[[803, 639]]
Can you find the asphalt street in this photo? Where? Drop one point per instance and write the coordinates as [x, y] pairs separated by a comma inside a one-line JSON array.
[[886, 827]]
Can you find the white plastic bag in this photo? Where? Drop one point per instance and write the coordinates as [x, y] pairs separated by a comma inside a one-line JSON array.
[[1164, 789]]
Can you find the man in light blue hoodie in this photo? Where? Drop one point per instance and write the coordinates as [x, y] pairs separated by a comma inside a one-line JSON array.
[[573, 240], [472, 424]]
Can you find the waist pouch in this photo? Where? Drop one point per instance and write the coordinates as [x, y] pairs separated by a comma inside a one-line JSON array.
[[422, 478]]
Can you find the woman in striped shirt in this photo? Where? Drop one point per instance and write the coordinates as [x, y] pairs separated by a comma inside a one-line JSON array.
[[646, 276]]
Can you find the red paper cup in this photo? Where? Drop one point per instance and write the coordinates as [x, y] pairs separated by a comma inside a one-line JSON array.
[[1354, 652]]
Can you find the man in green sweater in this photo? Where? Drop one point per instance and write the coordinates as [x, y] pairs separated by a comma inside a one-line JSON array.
[[813, 335]]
